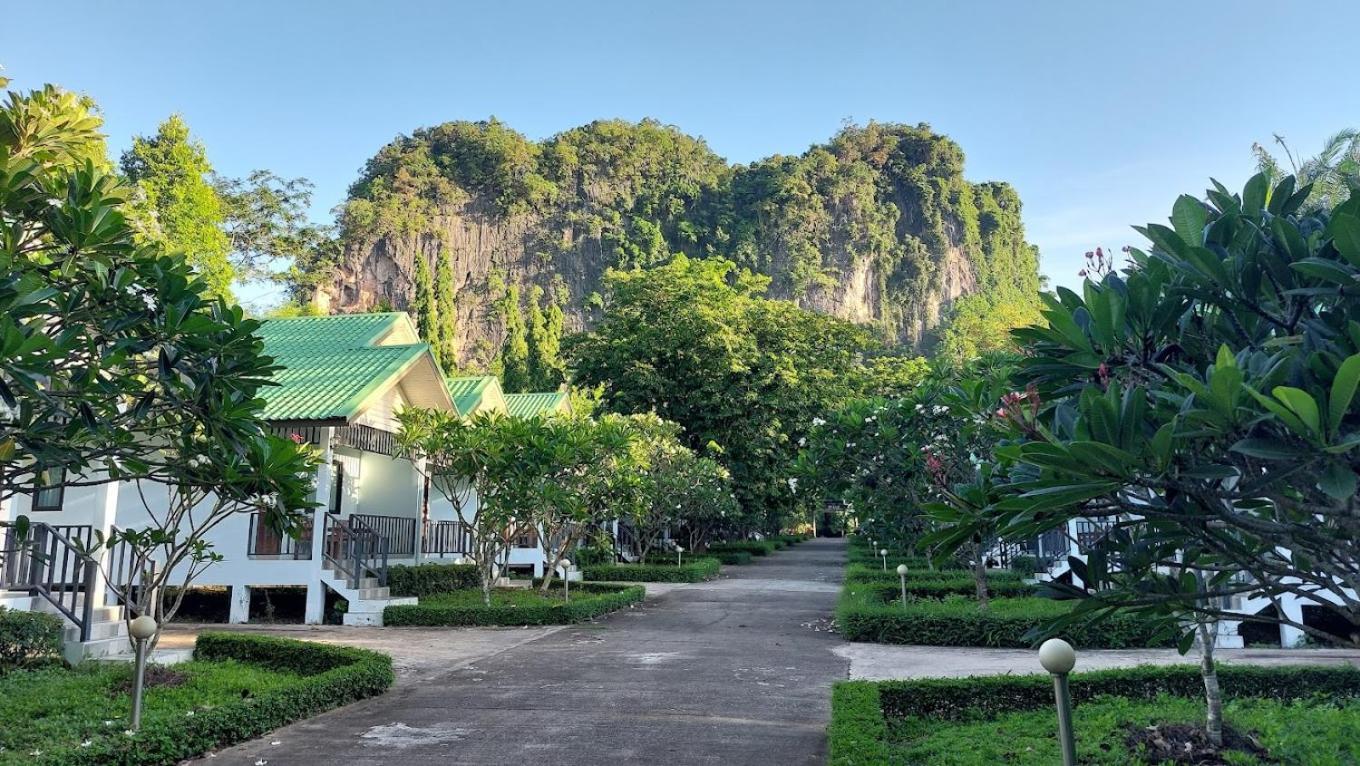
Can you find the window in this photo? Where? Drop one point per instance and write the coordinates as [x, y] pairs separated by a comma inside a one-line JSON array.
[[338, 491], [49, 489]]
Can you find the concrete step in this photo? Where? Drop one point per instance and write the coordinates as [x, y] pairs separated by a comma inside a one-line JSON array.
[[99, 630], [370, 612], [159, 656], [76, 652]]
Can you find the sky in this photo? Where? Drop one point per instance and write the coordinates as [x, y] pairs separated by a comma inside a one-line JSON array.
[[1099, 113]]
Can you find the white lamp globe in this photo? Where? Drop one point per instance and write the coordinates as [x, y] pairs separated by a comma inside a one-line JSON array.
[[143, 627], [678, 548], [566, 564], [1057, 656], [882, 551], [901, 569]]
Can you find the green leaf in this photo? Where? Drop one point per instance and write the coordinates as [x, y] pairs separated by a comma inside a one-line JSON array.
[[1189, 217], [1268, 449], [1343, 391], [1302, 404], [1254, 194], [1338, 481], [1345, 231], [1321, 268]]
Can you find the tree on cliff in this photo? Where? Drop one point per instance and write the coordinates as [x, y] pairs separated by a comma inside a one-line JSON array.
[[445, 315], [422, 305], [514, 357], [545, 369], [177, 203]]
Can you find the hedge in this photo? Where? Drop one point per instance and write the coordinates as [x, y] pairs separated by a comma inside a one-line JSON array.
[[753, 547], [728, 558], [870, 613], [861, 710], [588, 600], [696, 569], [428, 579], [941, 582], [334, 676], [28, 638]]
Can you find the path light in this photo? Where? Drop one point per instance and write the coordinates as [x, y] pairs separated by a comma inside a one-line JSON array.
[[902, 573], [142, 629], [884, 553], [1058, 657], [566, 579], [679, 552]]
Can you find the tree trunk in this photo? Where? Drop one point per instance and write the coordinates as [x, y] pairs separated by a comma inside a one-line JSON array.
[[1213, 718], [980, 579]]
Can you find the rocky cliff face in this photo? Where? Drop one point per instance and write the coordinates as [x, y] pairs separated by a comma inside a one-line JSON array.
[[877, 226]]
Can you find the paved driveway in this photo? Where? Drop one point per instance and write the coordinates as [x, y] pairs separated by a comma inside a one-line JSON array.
[[733, 671]]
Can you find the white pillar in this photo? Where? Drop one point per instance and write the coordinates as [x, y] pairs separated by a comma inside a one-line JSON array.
[[316, 594], [1291, 636], [240, 604], [103, 517], [418, 473]]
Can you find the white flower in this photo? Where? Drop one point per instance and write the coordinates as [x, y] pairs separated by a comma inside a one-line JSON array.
[[818, 422], [802, 441], [87, 743]]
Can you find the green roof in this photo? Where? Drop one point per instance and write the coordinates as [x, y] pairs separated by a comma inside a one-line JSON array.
[[468, 392], [332, 364], [538, 403]]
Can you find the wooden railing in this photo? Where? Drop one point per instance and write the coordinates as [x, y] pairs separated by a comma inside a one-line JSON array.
[[354, 550], [264, 541], [447, 537], [400, 531], [53, 562]]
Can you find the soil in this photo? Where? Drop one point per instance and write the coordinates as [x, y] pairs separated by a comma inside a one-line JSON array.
[[1188, 745]]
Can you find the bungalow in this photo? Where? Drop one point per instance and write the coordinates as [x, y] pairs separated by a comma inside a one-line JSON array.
[[344, 378]]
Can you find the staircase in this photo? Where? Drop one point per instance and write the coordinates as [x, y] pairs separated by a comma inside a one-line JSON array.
[[354, 565], [107, 632]]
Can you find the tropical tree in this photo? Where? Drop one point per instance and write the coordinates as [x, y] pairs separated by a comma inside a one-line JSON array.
[[177, 202], [267, 226], [514, 355], [1333, 173], [544, 365], [423, 304], [1201, 407], [445, 314]]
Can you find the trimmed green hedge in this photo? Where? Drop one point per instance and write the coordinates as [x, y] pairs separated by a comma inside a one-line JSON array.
[[428, 579], [334, 676], [753, 547], [870, 613], [727, 558], [861, 710], [696, 569], [588, 600], [939, 585], [28, 638]]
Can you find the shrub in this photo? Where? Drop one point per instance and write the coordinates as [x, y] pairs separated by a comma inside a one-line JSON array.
[[861, 711], [588, 600], [728, 558], [940, 585], [428, 579], [592, 555], [692, 570], [753, 547], [27, 638], [1025, 565], [331, 676], [869, 613]]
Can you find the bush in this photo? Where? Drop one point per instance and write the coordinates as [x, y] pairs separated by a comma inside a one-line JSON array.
[[870, 613], [728, 558], [588, 600], [428, 579], [331, 676], [753, 547], [940, 585], [862, 711], [1026, 566], [592, 555], [696, 569], [28, 638]]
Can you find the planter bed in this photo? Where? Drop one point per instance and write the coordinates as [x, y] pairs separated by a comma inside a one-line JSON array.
[[238, 686], [874, 574], [753, 547], [1296, 715], [696, 569], [953, 584], [873, 613], [516, 606]]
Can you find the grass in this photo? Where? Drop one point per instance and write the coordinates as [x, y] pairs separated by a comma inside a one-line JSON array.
[[55, 708], [1299, 732]]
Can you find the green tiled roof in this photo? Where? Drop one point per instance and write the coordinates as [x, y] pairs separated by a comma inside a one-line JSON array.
[[467, 392], [528, 405], [331, 365], [327, 333]]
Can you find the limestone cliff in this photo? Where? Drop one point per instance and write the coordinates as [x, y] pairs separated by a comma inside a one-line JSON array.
[[877, 226]]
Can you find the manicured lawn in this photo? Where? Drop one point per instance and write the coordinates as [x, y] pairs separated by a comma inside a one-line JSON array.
[[55, 708], [516, 606], [1297, 732]]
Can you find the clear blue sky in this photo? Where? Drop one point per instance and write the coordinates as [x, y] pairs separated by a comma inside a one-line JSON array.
[[1100, 113]]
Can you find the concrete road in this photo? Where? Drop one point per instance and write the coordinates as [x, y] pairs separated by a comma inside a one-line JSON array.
[[734, 671]]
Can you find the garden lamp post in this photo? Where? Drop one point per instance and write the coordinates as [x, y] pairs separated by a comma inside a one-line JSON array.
[[142, 629], [902, 575], [1058, 658], [884, 553], [679, 553], [566, 579]]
